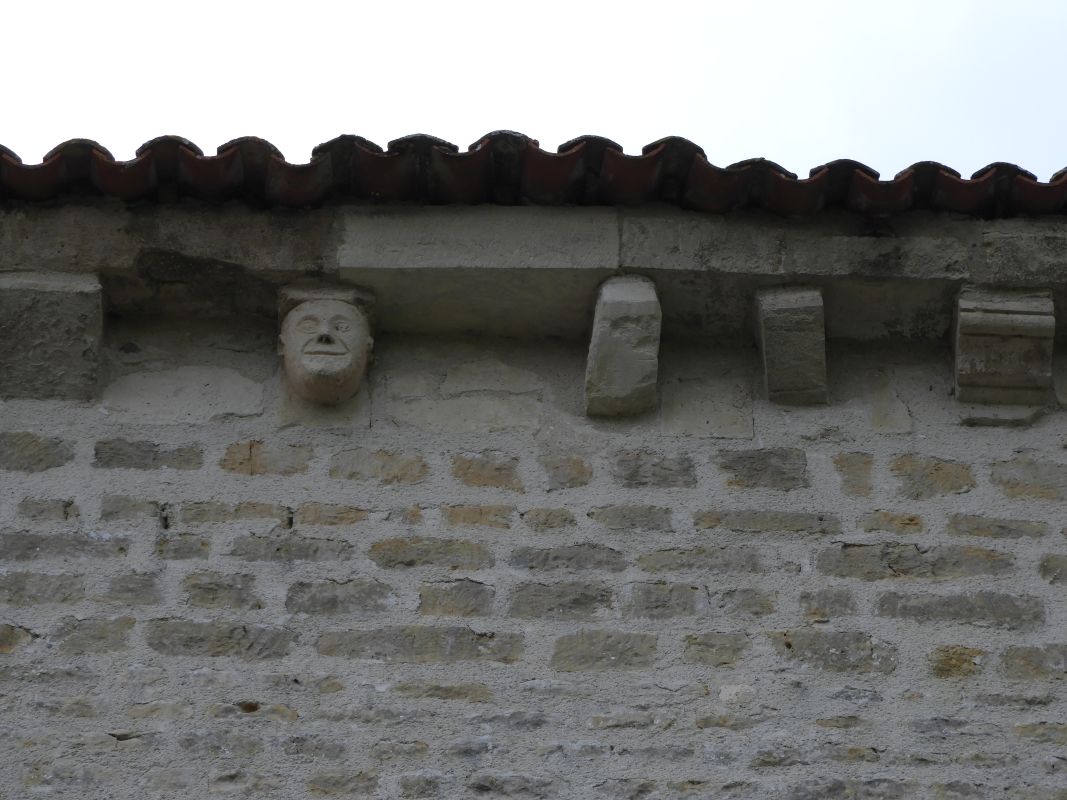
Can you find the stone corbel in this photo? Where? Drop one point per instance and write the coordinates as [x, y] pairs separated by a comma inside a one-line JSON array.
[[50, 329], [623, 363], [325, 340], [1003, 346], [792, 339]]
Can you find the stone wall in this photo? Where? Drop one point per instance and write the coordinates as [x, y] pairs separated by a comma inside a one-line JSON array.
[[458, 585]]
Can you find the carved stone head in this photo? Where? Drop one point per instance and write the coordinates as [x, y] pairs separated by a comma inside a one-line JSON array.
[[325, 345]]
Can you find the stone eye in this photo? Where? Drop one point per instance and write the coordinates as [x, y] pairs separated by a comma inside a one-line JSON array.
[[308, 325], [342, 326]]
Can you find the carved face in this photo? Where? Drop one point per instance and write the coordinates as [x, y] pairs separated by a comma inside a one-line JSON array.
[[325, 346]]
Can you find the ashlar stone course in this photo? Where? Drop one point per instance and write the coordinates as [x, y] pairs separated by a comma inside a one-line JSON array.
[[640, 468], [1029, 663], [714, 560], [1031, 478], [744, 602], [715, 649], [836, 789], [176, 637], [343, 784], [566, 600], [824, 605], [33, 588], [754, 521], [206, 512], [120, 508], [995, 528], [632, 517], [1043, 732], [662, 600], [488, 469], [956, 661], [782, 468], [423, 551], [466, 692], [220, 743], [135, 589], [855, 471], [386, 467], [565, 471], [217, 590], [1053, 568], [328, 514], [287, 549], [987, 608], [836, 651], [897, 522], [39, 509], [597, 650], [26, 546], [578, 557], [266, 458], [183, 546], [491, 516], [126, 454], [511, 785], [389, 750], [463, 598], [339, 596], [420, 644], [548, 519], [13, 637], [891, 560], [924, 477], [21, 451], [90, 636]]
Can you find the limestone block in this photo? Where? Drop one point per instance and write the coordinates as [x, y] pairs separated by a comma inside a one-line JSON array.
[[792, 338], [1003, 344], [50, 326], [623, 363]]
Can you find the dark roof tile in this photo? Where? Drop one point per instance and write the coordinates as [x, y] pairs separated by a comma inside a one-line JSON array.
[[508, 168]]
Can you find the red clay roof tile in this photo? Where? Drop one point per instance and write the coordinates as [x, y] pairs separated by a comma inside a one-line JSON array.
[[508, 168]]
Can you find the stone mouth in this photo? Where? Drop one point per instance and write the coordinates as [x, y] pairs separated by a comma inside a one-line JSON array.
[[326, 350]]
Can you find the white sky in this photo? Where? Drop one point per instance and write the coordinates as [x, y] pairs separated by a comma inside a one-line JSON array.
[[801, 82]]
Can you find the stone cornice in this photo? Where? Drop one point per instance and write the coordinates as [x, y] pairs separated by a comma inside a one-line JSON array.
[[533, 271]]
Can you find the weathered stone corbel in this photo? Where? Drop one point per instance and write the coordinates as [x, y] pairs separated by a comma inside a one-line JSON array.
[[792, 339], [1003, 345], [325, 340], [623, 362], [50, 328]]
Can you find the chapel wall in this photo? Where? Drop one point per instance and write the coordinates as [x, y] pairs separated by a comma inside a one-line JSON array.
[[458, 584]]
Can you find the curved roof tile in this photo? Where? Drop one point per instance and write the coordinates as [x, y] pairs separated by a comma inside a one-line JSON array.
[[509, 168]]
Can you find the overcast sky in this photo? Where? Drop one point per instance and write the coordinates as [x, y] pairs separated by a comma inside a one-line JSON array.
[[964, 82]]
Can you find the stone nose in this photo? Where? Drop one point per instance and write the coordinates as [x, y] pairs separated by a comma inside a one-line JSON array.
[[325, 338]]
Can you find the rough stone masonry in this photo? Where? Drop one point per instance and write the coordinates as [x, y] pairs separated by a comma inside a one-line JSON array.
[[458, 584]]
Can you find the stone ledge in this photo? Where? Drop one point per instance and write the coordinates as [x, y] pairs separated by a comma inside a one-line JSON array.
[[532, 272]]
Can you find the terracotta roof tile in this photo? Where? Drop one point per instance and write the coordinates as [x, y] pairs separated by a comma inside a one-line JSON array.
[[509, 168]]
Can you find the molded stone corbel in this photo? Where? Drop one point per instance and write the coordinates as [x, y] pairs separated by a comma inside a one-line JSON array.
[[1003, 343], [50, 327], [325, 340], [623, 363], [792, 339]]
